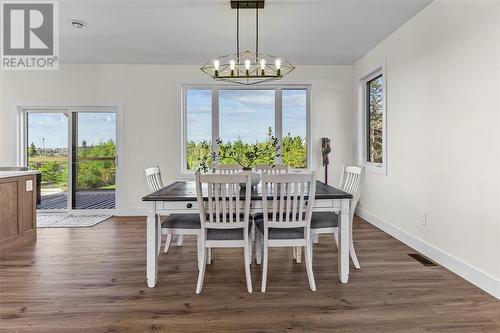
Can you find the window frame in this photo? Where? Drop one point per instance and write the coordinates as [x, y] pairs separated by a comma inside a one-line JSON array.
[[278, 114], [364, 119]]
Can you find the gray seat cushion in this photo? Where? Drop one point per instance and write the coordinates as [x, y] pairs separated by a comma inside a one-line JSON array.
[[281, 233], [226, 234], [324, 220], [182, 221]]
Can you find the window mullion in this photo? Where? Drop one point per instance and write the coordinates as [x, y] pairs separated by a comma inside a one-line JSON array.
[[278, 120], [215, 118]]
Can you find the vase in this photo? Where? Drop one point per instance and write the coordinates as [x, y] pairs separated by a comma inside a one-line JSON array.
[[255, 177]]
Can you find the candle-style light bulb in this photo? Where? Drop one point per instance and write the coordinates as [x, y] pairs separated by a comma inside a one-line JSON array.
[[262, 66], [232, 65], [277, 63], [216, 66], [247, 66]]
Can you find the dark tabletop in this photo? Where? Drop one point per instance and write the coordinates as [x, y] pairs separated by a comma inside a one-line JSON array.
[[186, 191]]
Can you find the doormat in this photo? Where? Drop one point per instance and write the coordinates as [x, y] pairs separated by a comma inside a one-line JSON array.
[[69, 221]]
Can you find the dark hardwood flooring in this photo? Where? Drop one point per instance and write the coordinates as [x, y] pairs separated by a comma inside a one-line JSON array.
[[93, 280]]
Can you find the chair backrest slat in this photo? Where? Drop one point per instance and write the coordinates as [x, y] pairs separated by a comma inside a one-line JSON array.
[[153, 179], [227, 169], [292, 197], [222, 209], [271, 169]]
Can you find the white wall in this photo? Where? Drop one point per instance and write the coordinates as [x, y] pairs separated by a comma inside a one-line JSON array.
[[443, 117], [150, 96]]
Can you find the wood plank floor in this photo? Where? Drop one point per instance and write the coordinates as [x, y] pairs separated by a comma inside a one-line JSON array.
[[93, 280]]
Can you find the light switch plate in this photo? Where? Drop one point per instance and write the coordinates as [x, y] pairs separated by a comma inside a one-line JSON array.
[[29, 185]]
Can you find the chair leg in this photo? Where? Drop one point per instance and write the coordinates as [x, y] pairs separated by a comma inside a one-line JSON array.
[[199, 251], [250, 252], [294, 252], [299, 254], [264, 268], [201, 273], [167, 243], [311, 244], [258, 248], [308, 259], [247, 260], [180, 239], [336, 239], [209, 256], [353, 255]]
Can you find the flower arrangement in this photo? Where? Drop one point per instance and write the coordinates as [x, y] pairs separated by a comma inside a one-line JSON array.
[[245, 154]]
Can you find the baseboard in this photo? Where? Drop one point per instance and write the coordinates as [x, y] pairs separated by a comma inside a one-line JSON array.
[[478, 278]]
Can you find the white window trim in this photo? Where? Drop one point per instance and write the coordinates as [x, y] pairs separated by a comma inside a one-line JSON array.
[[215, 117], [376, 168]]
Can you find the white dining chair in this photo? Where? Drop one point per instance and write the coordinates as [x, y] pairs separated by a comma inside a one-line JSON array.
[[155, 183], [227, 169], [224, 218], [268, 169], [287, 202], [328, 222], [223, 169]]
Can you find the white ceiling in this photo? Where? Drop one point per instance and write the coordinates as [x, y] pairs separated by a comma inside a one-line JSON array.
[[194, 31]]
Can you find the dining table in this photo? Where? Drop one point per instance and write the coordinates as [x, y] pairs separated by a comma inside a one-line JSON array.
[[180, 198]]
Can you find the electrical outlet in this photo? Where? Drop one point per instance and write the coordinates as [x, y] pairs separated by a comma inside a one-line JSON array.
[[423, 218]]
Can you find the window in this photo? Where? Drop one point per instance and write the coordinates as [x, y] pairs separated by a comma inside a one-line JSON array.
[[246, 117], [198, 126], [374, 118], [295, 127]]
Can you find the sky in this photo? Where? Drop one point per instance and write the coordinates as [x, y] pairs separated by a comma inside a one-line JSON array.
[[245, 114], [93, 127]]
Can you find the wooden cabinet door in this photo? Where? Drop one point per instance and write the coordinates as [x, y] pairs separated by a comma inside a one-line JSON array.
[[8, 213]]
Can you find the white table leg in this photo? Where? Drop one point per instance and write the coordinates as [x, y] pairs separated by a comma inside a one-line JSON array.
[[344, 241], [152, 248]]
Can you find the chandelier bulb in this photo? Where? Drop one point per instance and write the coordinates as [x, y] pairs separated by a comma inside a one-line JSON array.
[[247, 64], [232, 64], [216, 64], [277, 62], [262, 64]]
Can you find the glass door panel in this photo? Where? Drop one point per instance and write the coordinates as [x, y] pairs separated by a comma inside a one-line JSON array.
[[47, 152], [94, 160]]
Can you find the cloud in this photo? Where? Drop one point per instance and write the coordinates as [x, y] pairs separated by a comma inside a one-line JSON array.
[[263, 98], [199, 109], [294, 100]]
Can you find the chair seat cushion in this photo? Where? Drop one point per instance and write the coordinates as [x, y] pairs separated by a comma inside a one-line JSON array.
[[281, 233], [324, 220], [182, 221], [226, 234]]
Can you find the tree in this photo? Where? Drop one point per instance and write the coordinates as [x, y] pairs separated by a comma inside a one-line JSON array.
[[32, 152]]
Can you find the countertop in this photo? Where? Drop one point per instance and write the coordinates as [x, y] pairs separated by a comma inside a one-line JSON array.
[[8, 174]]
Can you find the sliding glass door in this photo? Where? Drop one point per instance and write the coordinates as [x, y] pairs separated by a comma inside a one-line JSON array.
[[47, 150], [75, 151], [94, 160]]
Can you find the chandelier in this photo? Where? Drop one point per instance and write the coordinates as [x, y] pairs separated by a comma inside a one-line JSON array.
[[247, 67]]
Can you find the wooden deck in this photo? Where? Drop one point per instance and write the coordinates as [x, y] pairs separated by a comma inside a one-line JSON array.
[[94, 280], [98, 199]]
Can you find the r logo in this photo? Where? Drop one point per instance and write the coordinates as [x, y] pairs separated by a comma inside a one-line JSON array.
[[28, 29]]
